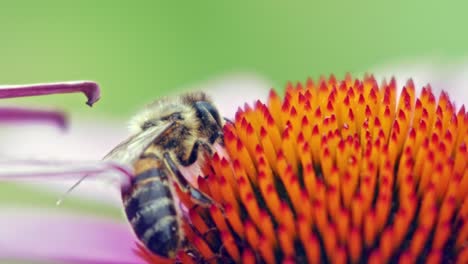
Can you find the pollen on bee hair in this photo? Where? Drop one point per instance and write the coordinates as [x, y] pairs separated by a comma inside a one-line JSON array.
[[364, 175], [153, 112], [161, 110]]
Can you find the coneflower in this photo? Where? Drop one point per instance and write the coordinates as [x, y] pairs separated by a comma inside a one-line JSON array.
[[338, 172], [335, 172]]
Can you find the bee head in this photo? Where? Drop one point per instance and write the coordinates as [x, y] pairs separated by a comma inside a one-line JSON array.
[[158, 113], [203, 104], [191, 106]]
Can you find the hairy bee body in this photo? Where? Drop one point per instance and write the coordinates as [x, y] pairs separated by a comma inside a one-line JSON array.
[[168, 134], [151, 211]]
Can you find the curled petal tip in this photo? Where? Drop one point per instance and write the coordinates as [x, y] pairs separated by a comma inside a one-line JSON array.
[[92, 91], [40, 169], [89, 88]]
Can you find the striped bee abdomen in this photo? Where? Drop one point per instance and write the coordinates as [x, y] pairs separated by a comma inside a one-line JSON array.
[[151, 211]]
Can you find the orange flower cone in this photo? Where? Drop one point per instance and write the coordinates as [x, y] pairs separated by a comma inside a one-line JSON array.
[[338, 172]]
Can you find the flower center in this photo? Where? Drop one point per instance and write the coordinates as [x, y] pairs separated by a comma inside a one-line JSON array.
[[339, 171]]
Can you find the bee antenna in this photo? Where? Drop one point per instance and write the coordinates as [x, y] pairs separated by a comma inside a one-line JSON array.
[[63, 196], [228, 120]]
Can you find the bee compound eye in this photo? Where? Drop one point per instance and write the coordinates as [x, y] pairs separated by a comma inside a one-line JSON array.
[[206, 109]]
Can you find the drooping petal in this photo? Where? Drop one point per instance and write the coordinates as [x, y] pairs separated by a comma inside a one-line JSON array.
[[20, 115], [90, 89], [48, 235], [451, 77], [86, 139], [25, 170]]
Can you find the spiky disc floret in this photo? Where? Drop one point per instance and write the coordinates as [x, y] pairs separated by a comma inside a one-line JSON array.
[[339, 171]]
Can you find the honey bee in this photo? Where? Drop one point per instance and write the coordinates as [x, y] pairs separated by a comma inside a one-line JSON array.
[[168, 134]]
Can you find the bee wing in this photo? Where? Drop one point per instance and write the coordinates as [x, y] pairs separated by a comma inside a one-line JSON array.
[[127, 152], [130, 150]]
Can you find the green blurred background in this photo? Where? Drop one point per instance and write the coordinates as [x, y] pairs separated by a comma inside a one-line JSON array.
[[143, 49]]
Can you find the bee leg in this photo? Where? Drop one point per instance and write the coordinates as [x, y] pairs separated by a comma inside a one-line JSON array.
[[208, 114], [211, 120], [194, 153], [227, 120], [185, 186], [218, 135], [193, 252], [209, 231], [216, 257]]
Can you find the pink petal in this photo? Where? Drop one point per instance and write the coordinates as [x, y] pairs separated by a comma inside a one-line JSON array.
[[26, 170], [90, 89], [231, 91], [16, 115], [43, 235], [89, 139]]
